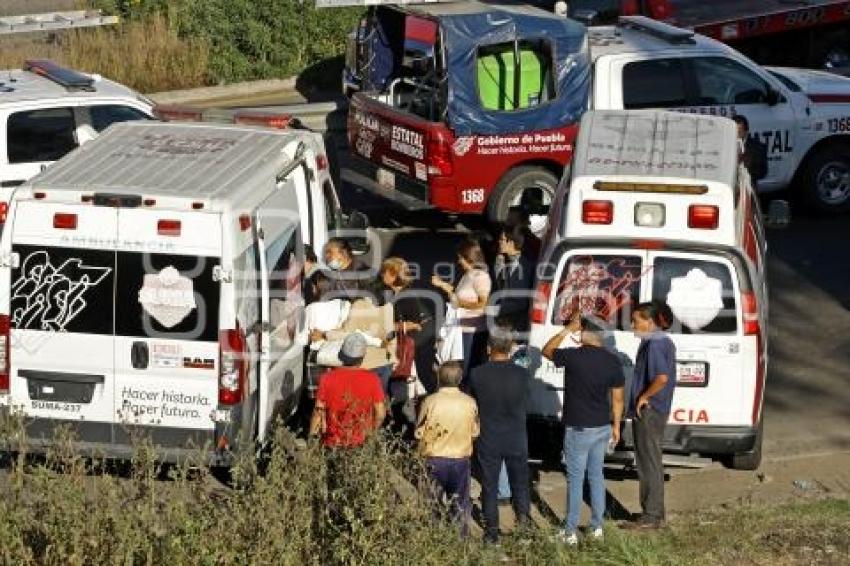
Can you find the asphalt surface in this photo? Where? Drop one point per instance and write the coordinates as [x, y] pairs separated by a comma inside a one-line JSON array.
[[807, 396]]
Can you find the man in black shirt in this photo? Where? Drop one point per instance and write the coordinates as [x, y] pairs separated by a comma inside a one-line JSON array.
[[753, 152], [514, 279], [591, 375], [500, 389]]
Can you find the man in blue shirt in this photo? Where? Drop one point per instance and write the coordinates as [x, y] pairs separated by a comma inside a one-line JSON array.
[[649, 406]]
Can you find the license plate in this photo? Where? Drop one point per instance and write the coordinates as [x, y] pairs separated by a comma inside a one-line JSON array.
[[691, 373], [385, 179]]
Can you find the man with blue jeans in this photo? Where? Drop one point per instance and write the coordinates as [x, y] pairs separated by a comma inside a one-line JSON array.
[[593, 409]]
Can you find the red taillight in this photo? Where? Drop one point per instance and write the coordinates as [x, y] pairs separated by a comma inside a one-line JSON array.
[[749, 307], [541, 302], [65, 221], [597, 212], [232, 367], [5, 363], [168, 227], [4, 211], [244, 222], [322, 162], [703, 216], [439, 157], [279, 121], [149, 202]]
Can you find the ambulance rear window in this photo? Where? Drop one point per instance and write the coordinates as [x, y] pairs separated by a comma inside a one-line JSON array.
[[699, 292], [166, 296], [603, 286]]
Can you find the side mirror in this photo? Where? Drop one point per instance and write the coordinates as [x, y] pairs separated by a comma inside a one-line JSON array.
[[778, 214], [772, 97]]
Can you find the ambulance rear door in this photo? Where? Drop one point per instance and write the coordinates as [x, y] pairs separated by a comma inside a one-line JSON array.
[[61, 289], [167, 325], [715, 374]]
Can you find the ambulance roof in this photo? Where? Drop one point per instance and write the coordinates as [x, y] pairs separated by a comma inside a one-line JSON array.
[[656, 143], [205, 161], [17, 85]]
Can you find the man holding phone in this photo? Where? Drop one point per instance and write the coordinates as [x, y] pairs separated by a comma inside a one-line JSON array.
[[593, 410]]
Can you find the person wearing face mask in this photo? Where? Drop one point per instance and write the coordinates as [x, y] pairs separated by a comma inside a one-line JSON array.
[[347, 274], [752, 151]]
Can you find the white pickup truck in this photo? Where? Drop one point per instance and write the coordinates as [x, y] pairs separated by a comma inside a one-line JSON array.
[[802, 116]]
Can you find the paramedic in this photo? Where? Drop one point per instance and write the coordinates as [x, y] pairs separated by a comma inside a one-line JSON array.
[[649, 406]]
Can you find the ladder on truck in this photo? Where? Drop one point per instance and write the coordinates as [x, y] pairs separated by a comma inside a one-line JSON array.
[[52, 21]]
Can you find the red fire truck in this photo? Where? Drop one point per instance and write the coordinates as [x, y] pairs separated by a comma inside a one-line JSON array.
[[810, 33]]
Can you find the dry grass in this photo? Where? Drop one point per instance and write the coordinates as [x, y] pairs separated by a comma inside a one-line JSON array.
[[146, 55], [17, 7]]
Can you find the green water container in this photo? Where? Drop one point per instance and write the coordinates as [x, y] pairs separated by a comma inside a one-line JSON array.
[[497, 78]]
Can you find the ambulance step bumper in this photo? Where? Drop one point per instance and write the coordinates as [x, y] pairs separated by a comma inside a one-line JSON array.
[[713, 440]]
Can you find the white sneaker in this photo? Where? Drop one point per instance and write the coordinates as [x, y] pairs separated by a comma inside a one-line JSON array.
[[570, 539], [597, 534]]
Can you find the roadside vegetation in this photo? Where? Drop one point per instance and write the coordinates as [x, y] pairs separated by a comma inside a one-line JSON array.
[[172, 44], [63, 509]]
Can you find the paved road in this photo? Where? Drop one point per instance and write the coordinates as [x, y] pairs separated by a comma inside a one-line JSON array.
[[807, 419]]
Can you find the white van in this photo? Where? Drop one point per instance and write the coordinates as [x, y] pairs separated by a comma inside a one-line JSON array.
[[657, 206], [150, 282]]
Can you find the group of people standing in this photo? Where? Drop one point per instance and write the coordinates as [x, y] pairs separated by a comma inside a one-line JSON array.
[[475, 421]]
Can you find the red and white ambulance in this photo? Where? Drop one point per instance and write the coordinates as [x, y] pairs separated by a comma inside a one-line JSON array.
[[658, 206]]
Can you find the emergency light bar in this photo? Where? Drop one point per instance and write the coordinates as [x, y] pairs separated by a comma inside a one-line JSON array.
[[63, 76], [245, 118], [364, 3], [614, 186]]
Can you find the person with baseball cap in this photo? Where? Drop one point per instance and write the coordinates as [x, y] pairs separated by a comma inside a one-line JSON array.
[[350, 399]]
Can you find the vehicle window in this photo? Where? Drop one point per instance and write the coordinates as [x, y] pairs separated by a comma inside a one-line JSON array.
[[603, 286], [510, 82], [721, 81], [105, 115], [34, 136], [657, 83], [792, 86], [167, 296], [58, 289], [699, 292], [285, 280]]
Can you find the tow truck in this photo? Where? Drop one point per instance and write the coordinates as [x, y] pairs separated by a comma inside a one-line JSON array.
[[810, 33], [427, 129]]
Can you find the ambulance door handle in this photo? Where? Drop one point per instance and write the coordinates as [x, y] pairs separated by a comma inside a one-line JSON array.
[[140, 355]]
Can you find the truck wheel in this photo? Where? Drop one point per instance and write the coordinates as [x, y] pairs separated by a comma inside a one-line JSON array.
[[749, 460], [528, 186], [826, 180]]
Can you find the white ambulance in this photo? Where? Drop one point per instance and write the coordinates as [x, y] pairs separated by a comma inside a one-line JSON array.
[[151, 280], [657, 206]]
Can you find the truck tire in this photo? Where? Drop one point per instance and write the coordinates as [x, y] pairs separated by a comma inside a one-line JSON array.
[[826, 180], [527, 183], [749, 460]]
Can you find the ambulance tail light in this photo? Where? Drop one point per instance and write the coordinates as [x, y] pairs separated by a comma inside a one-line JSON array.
[[439, 157], [541, 302], [232, 367], [703, 216], [5, 363], [749, 307], [168, 227], [4, 211], [597, 212]]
